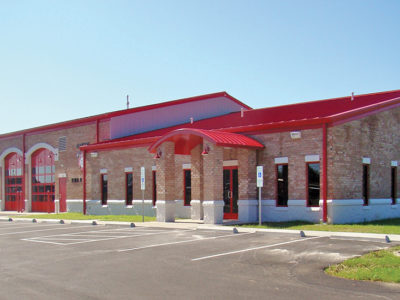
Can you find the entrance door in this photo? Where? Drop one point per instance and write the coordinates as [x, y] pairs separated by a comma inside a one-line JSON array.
[[230, 181], [62, 185]]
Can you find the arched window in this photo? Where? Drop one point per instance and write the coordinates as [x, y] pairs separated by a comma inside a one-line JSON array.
[[43, 182], [13, 182]]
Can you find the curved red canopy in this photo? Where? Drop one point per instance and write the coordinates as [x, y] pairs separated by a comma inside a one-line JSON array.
[[186, 139]]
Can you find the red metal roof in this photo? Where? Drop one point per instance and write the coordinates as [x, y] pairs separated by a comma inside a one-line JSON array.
[[186, 139], [282, 118], [307, 114]]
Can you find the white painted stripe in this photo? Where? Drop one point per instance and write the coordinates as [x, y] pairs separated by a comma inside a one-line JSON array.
[[182, 242], [61, 237], [255, 248], [19, 232], [44, 242], [29, 226]]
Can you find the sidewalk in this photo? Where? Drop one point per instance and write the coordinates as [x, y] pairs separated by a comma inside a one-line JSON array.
[[190, 224]]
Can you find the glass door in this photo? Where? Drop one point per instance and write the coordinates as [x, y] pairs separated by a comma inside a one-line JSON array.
[[231, 192]]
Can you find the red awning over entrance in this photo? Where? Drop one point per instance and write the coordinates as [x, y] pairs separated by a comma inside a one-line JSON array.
[[186, 139]]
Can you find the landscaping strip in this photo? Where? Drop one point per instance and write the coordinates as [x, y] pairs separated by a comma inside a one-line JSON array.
[[382, 265]]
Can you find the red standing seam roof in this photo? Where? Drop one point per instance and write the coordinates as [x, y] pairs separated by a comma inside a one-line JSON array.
[[307, 113], [280, 118], [186, 139]]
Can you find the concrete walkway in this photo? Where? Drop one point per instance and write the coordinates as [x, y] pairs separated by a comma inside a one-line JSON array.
[[191, 224]]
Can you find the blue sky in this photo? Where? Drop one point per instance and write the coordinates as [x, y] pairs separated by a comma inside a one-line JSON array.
[[61, 60]]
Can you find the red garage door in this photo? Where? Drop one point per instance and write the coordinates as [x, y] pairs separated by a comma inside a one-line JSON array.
[[43, 183], [13, 183]]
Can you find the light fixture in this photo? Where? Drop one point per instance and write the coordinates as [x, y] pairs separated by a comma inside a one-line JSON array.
[[158, 154], [206, 149]]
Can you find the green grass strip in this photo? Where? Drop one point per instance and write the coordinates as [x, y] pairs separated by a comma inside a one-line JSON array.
[[382, 265], [389, 226], [80, 216]]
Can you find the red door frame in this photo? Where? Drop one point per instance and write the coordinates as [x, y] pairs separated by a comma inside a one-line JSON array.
[[184, 186], [13, 189], [154, 179], [231, 215], [62, 188]]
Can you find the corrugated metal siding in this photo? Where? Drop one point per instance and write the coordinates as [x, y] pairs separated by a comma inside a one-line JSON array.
[[154, 119]]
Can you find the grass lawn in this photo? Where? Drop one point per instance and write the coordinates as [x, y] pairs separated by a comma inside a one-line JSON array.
[[389, 226], [383, 265], [80, 216]]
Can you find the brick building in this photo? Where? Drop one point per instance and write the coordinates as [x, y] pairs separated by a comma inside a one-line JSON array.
[[333, 160]]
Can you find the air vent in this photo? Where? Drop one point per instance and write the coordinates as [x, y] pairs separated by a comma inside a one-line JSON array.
[[62, 143]]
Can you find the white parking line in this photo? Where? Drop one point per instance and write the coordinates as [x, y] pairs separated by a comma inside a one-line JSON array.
[[255, 248], [61, 227], [94, 236], [29, 226], [182, 242]]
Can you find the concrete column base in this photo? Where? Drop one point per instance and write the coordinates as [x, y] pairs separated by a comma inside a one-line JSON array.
[[197, 212], [248, 211], [213, 211], [165, 211]]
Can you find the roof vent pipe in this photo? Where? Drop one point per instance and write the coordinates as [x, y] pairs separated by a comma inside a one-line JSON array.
[[352, 96], [191, 120], [127, 101], [242, 112]]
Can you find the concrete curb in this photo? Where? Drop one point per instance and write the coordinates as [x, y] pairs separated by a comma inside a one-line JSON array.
[[183, 225]]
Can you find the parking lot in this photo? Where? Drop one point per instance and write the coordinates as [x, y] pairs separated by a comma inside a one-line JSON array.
[[84, 261]]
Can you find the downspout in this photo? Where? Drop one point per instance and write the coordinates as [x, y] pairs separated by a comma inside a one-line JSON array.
[[84, 182], [23, 173], [324, 173]]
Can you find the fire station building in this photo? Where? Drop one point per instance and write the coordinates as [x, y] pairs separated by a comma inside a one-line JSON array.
[[333, 160]]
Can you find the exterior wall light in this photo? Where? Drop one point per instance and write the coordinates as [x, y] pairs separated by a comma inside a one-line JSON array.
[[205, 150], [158, 154]]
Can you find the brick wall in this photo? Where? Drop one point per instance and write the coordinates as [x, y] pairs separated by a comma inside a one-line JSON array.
[[376, 137], [282, 145], [116, 161]]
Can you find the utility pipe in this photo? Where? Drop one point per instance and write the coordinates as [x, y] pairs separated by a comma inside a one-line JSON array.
[[84, 182], [324, 173]]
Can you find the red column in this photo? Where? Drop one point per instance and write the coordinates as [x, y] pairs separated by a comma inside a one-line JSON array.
[[324, 174]]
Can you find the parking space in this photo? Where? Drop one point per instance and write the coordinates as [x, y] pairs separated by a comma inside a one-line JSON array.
[[84, 261]]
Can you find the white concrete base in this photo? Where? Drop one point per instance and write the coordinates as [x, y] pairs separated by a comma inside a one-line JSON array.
[[248, 211], [56, 206], [296, 210], [165, 211], [118, 207], [74, 205], [213, 211], [353, 210], [182, 211], [197, 211]]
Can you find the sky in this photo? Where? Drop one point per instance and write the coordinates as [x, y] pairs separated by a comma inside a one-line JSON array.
[[66, 59]]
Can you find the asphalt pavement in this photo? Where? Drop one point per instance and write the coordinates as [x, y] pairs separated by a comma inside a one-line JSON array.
[[49, 260]]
